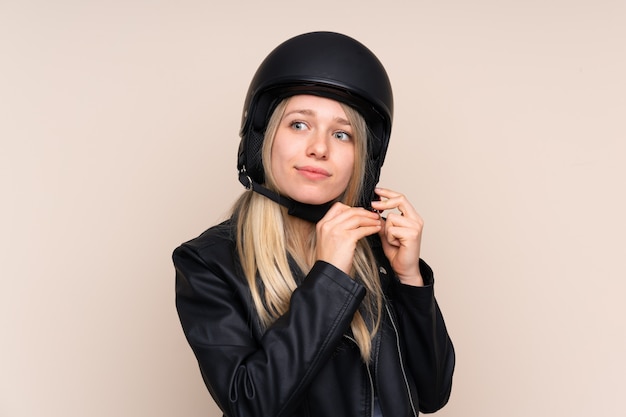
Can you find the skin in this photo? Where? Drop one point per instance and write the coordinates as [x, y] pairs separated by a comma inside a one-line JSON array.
[[313, 151], [312, 160], [401, 234]]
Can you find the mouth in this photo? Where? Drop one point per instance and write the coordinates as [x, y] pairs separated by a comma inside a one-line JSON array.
[[313, 172]]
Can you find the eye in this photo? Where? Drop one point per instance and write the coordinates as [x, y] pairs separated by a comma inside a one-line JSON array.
[[342, 136], [297, 125]]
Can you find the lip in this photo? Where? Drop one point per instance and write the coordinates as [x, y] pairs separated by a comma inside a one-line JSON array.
[[313, 173]]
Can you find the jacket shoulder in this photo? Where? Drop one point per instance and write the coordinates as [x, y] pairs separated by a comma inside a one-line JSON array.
[[213, 240]]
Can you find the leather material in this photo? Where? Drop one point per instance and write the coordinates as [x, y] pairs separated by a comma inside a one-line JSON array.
[[306, 363]]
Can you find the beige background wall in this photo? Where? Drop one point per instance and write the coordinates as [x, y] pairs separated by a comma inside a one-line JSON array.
[[118, 128]]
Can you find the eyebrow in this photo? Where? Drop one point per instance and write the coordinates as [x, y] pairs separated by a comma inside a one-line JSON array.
[[309, 112]]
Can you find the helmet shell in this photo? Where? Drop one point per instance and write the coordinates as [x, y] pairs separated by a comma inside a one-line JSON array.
[[326, 64]]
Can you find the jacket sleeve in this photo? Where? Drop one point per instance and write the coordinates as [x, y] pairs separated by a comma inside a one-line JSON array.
[[429, 352], [266, 377]]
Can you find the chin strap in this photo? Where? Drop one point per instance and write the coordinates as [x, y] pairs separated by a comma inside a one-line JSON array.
[[310, 212]]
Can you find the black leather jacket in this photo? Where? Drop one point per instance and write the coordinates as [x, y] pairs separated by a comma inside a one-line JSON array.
[[306, 363]]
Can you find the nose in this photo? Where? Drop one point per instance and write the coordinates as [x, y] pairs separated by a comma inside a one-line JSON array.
[[318, 146]]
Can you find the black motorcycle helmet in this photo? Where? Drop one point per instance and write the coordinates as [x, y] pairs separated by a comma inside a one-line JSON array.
[[326, 64]]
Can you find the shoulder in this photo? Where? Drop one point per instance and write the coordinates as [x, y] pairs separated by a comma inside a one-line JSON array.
[[219, 234], [216, 242]]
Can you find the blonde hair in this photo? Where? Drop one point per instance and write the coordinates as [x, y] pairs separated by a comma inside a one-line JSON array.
[[266, 235]]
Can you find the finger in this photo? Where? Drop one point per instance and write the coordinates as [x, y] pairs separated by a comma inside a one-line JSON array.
[[350, 220], [335, 210], [403, 205], [414, 222], [394, 200], [387, 237], [354, 216], [386, 192], [353, 223], [405, 235], [400, 204], [401, 227], [365, 231]]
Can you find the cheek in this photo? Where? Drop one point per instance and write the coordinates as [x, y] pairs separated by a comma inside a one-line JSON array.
[[347, 166], [281, 149], [280, 156], [275, 154]]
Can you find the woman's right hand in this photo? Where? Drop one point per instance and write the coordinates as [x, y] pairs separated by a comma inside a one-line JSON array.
[[339, 231]]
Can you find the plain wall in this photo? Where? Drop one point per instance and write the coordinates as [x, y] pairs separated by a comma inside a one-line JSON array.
[[119, 129]]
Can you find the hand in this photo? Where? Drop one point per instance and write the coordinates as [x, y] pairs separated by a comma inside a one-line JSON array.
[[401, 236], [339, 231]]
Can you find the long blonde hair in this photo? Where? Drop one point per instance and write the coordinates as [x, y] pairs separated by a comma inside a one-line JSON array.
[[266, 235]]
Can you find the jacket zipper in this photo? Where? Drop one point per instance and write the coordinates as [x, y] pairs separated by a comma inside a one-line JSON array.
[[371, 380], [406, 381]]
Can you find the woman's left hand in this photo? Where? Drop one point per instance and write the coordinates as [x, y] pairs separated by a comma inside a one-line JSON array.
[[401, 235]]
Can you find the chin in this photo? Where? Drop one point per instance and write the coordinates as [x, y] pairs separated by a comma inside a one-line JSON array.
[[313, 200]]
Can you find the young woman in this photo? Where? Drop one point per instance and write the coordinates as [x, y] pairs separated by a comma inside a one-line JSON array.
[[307, 302]]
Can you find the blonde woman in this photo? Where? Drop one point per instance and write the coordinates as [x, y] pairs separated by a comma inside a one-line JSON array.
[[307, 302]]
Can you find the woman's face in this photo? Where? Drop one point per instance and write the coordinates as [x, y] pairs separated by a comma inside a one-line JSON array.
[[312, 157]]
